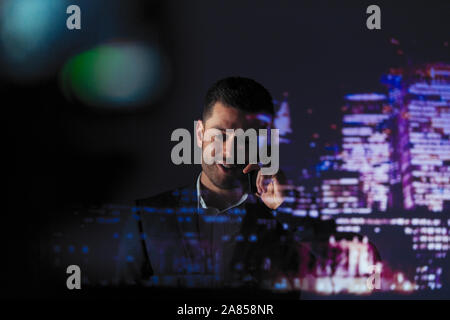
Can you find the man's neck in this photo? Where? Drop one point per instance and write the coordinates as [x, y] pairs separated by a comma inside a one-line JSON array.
[[217, 197]]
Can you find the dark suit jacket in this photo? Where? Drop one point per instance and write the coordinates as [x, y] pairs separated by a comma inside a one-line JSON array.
[[168, 241]]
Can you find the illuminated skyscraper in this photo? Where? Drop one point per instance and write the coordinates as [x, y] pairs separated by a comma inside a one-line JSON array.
[[367, 146], [422, 97]]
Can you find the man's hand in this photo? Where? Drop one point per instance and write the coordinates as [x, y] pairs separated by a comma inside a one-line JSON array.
[[270, 187]]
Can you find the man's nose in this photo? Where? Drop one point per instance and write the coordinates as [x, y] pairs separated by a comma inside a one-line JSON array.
[[228, 147]]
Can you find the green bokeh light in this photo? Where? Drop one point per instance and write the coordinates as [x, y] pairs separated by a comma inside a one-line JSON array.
[[115, 75]]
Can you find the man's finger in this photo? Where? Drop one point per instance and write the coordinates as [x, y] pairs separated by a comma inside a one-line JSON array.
[[259, 184], [250, 167], [270, 188]]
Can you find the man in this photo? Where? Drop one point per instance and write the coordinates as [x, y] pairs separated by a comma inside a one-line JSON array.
[[216, 232]]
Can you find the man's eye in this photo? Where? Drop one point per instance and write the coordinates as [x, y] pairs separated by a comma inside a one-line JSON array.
[[218, 136], [224, 136]]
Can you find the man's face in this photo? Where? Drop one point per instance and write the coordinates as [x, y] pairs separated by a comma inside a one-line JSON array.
[[223, 174]]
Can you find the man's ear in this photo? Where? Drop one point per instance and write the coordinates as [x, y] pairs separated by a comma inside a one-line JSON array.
[[199, 131]]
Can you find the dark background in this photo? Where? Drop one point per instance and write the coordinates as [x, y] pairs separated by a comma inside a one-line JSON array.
[[59, 152]]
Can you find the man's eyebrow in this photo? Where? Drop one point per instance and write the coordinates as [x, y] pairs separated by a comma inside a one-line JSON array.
[[225, 129], [221, 129]]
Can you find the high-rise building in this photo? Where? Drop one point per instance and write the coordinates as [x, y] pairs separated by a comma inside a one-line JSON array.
[[367, 146], [422, 97], [341, 192]]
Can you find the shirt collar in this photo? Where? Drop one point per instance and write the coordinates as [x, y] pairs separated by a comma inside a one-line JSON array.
[[202, 204]]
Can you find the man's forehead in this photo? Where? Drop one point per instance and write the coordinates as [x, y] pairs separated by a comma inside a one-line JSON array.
[[224, 117]]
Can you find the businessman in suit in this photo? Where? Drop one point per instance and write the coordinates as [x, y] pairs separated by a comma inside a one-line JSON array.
[[216, 232]]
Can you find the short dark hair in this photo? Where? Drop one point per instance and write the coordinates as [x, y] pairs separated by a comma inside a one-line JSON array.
[[241, 93]]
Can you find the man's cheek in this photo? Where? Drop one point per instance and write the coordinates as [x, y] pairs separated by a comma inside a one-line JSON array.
[[208, 153]]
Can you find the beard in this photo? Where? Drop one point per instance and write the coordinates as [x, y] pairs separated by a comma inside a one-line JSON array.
[[223, 177]]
